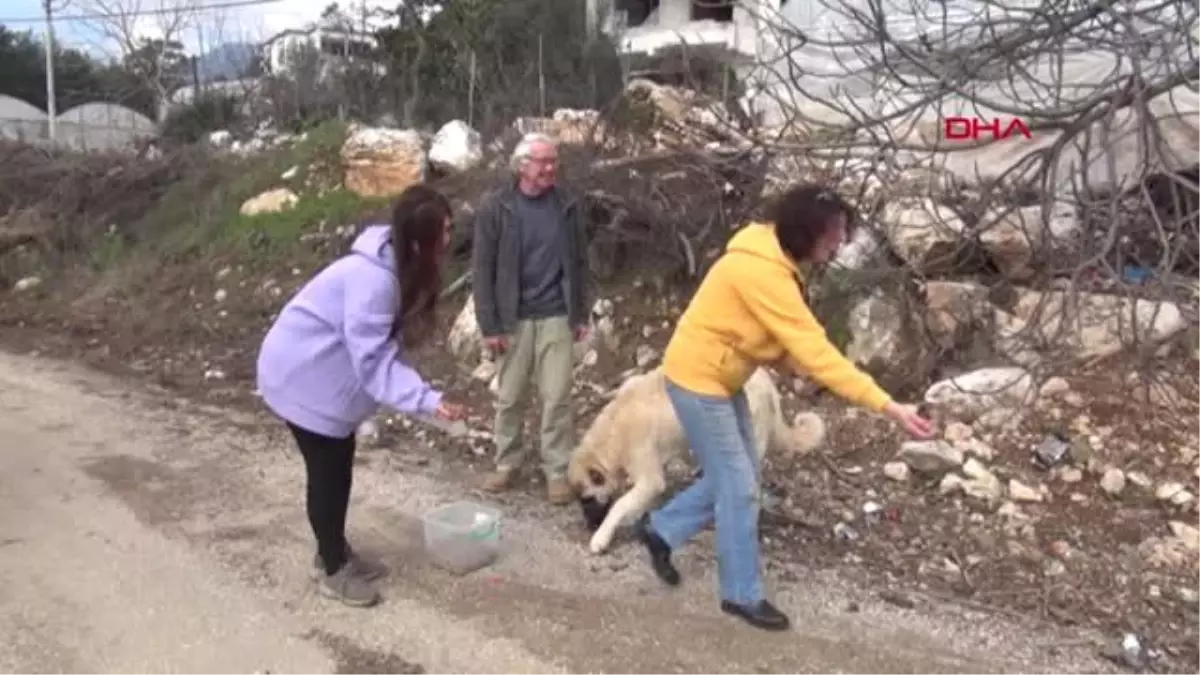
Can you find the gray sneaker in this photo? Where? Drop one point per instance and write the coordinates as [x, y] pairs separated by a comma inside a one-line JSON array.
[[348, 588], [364, 568]]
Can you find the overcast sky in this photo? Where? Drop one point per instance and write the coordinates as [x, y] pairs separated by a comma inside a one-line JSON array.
[[238, 24]]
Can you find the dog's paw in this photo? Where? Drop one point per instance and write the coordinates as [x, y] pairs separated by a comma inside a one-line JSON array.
[[598, 544]]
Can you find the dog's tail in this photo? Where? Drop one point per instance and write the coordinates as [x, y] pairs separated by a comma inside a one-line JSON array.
[[806, 433]]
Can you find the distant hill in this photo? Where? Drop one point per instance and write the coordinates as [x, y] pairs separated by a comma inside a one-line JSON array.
[[228, 61]]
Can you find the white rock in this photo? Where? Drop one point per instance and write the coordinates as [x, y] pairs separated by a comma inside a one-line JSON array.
[[27, 283], [220, 295], [220, 138], [977, 448], [973, 393], [1020, 492], [857, 252], [1113, 481], [485, 371], [1055, 386], [271, 201], [957, 432], [645, 355], [930, 456], [590, 358], [1014, 239], [456, 148], [1093, 325], [953, 309], [982, 484], [381, 162], [925, 234], [897, 471], [950, 484], [367, 432], [1174, 493], [1139, 479], [290, 173], [465, 341], [1188, 534], [1070, 474]]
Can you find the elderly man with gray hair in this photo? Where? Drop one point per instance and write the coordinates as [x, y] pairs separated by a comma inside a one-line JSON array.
[[530, 286]]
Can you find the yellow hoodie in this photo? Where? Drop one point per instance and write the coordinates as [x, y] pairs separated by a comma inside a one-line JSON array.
[[749, 311]]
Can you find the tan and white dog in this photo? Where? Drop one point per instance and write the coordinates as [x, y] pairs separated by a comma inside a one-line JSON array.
[[636, 434]]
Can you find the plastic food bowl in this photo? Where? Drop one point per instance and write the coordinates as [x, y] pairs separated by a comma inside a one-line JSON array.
[[463, 536]]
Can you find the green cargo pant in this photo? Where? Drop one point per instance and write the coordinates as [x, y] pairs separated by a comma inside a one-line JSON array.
[[539, 352]]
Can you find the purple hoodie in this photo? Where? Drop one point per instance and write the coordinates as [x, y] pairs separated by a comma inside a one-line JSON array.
[[329, 361]]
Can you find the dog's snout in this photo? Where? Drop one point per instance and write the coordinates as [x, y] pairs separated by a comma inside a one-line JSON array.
[[594, 512]]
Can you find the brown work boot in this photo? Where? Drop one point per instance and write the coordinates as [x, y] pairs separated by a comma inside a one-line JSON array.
[[499, 480], [558, 491]]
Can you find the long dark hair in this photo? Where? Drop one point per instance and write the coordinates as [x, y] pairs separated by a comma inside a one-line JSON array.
[[418, 220]]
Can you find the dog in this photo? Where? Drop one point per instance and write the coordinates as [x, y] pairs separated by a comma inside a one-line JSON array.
[[637, 434]]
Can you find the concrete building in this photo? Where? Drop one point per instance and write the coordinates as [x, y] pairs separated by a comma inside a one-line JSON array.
[[333, 47]]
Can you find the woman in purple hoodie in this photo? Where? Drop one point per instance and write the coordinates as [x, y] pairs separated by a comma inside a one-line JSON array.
[[335, 354]]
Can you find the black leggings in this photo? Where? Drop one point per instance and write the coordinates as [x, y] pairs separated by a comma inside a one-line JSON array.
[[329, 463]]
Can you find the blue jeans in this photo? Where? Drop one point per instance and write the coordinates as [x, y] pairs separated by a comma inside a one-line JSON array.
[[721, 438]]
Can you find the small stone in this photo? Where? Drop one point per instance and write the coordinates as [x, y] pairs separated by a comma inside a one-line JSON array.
[[950, 484], [1059, 549], [1054, 568], [1187, 595], [897, 471], [1070, 475], [982, 484], [223, 272], [645, 355], [1054, 386], [214, 374], [1020, 492], [591, 358], [957, 432], [220, 295], [27, 283], [485, 371], [995, 419], [290, 173], [978, 448], [1079, 498], [930, 456], [1073, 399], [1174, 493], [1139, 479], [1113, 482], [1188, 534]]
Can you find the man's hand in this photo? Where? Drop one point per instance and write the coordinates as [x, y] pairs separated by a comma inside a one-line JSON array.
[[581, 333], [498, 344]]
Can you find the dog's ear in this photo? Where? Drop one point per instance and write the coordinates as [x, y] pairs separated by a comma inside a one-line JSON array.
[[596, 478]]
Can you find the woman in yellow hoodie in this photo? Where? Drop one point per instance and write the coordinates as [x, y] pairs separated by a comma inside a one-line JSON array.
[[749, 311]]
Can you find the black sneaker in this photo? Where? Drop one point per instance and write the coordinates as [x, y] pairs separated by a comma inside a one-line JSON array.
[[762, 615], [660, 553]]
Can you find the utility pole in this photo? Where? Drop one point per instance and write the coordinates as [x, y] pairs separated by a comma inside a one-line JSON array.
[[51, 104]]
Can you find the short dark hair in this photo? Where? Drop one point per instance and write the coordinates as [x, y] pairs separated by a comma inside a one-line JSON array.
[[803, 213]]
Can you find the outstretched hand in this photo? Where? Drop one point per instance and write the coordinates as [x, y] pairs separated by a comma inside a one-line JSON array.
[[450, 412], [908, 417]]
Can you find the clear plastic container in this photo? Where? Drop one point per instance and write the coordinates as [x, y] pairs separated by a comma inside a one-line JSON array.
[[462, 536]]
